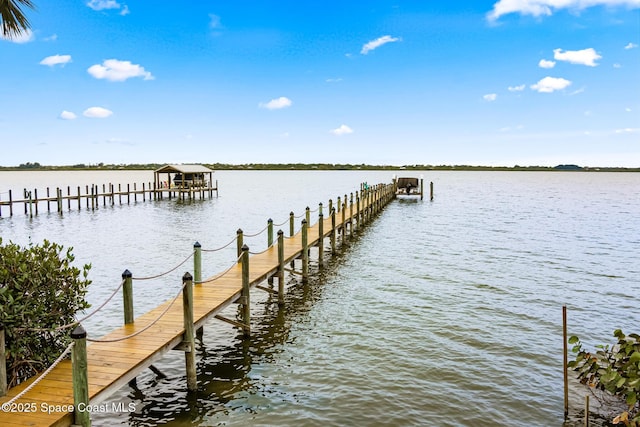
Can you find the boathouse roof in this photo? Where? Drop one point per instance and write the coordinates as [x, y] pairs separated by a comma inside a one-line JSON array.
[[184, 169]]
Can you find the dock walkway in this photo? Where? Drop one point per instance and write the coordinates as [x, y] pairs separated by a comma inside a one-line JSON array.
[[112, 362]]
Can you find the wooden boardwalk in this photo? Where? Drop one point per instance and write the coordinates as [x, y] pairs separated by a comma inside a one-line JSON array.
[[112, 365]]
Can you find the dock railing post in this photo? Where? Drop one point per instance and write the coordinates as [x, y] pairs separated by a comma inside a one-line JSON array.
[[3, 364], [344, 220], [307, 215], [351, 213], [189, 333], [305, 250], [333, 230], [80, 379], [330, 206], [565, 362], [239, 241], [197, 263], [127, 296], [280, 267], [358, 219], [292, 219], [269, 233], [246, 297], [320, 237]]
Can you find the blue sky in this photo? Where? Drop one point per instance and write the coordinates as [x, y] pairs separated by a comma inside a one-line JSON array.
[[528, 82]]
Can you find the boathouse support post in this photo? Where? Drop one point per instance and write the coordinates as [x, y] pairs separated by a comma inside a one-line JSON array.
[[305, 250], [292, 219], [80, 379], [320, 237], [127, 296], [246, 297], [239, 241], [188, 338], [280, 267], [3, 364], [333, 230]]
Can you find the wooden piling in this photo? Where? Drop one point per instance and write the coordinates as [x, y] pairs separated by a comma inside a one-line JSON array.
[[189, 332], [333, 230], [269, 232], [431, 191], [80, 379], [565, 362], [3, 364], [320, 237], [239, 242], [246, 297], [280, 267], [127, 296], [197, 275], [307, 215], [586, 410], [305, 250], [292, 219]]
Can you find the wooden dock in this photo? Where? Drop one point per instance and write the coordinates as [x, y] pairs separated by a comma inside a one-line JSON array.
[[93, 196], [114, 360]]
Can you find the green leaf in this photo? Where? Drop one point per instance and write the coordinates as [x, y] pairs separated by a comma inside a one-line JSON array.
[[632, 398], [573, 339]]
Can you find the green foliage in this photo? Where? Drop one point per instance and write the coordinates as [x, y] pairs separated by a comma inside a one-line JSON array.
[[40, 290], [615, 370]]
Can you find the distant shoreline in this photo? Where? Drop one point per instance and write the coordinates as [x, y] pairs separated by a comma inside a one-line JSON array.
[[323, 166]]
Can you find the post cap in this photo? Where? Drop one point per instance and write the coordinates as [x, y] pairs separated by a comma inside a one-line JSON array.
[[126, 274], [304, 222], [280, 232], [187, 276], [78, 333], [239, 231], [269, 220], [245, 248], [197, 245]]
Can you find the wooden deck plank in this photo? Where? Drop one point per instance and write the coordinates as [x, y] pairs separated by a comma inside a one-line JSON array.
[[112, 364]]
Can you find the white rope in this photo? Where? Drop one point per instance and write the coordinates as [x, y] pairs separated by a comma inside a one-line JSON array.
[[41, 377], [165, 273]]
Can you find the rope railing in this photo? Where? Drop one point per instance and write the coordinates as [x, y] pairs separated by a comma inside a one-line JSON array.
[[165, 273], [41, 376], [219, 275], [69, 325], [146, 327], [256, 234], [221, 247]]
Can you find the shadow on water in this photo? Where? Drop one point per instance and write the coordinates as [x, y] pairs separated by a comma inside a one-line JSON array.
[[226, 360]]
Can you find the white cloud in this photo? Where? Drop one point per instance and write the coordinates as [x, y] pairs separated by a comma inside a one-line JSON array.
[[67, 115], [374, 44], [118, 71], [51, 38], [586, 57], [631, 46], [547, 7], [546, 64], [628, 130], [518, 88], [335, 80], [550, 84], [490, 97], [125, 10], [103, 4], [276, 104], [56, 60], [342, 130], [97, 113], [616, 65], [24, 37]]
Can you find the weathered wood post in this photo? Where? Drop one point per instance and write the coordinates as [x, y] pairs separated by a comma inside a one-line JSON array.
[[3, 364], [351, 213], [431, 191], [338, 204], [35, 198], [320, 237], [197, 263], [358, 209], [269, 232], [330, 206], [586, 410], [305, 250], [239, 241], [79, 199], [565, 362], [344, 221], [292, 220], [188, 338], [10, 204], [127, 296], [333, 230], [245, 295], [59, 199], [80, 378], [307, 215], [280, 267]]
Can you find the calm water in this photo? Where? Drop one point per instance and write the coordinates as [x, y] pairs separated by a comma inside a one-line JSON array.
[[439, 313]]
